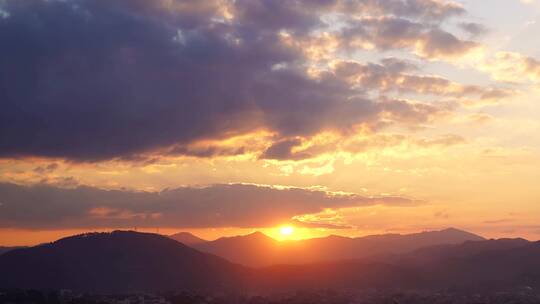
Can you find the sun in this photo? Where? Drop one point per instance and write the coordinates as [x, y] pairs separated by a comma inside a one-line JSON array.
[[286, 230]]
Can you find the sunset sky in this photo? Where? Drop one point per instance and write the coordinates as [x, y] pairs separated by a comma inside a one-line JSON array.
[[222, 117]]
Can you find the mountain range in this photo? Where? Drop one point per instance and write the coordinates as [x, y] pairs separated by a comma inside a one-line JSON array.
[[259, 250], [490, 265], [124, 261]]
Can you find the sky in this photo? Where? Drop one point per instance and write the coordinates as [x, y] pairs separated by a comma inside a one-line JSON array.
[[223, 117]]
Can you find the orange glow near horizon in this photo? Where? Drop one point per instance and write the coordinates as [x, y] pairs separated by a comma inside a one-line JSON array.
[[22, 237], [286, 230]]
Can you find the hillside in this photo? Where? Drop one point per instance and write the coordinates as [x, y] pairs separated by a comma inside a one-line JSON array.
[[117, 261]]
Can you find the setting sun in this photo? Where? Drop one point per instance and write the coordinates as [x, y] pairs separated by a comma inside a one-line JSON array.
[[286, 230]]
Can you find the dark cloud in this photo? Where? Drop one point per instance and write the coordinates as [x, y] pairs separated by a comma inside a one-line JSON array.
[[91, 80], [46, 169], [420, 9], [390, 32], [474, 29], [413, 113], [438, 43], [393, 75], [97, 83], [207, 151], [222, 205], [283, 149]]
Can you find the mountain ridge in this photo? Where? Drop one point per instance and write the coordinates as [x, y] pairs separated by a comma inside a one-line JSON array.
[[187, 238], [259, 250], [127, 261]]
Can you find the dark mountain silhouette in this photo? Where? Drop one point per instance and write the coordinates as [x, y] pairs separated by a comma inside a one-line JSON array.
[[255, 249], [117, 261], [438, 253], [187, 238], [6, 249], [504, 264], [129, 261], [493, 264], [259, 250]]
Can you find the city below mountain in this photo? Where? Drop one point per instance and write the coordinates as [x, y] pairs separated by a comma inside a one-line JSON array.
[[127, 261]]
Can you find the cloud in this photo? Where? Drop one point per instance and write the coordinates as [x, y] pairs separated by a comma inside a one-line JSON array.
[[512, 67], [393, 75], [474, 29], [432, 10], [222, 205], [383, 141], [390, 32], [480, 118], [207, 151], [282, 150], [444, 140], [323, 225], [89, 80], [46, 169], [94, 81]]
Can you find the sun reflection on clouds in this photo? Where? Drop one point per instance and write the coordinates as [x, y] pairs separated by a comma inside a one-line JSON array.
[[361, 98]]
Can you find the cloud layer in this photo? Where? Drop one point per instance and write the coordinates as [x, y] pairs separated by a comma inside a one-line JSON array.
[[221, 205], [88, 80]]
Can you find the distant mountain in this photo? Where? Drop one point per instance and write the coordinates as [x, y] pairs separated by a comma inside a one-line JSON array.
[[124, 261], [493, 264], [259, 250], [256, 249], [433, 254], [187, 238], [4, 249], [117, 261]]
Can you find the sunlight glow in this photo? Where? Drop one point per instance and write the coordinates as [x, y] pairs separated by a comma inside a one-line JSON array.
[[286, 230]]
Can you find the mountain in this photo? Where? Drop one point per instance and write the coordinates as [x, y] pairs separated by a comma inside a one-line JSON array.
[[117, 261], [259, 250], [187, 238], [6, 249], [493, 264], [255, 249], [433, 254], [124, 261]]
